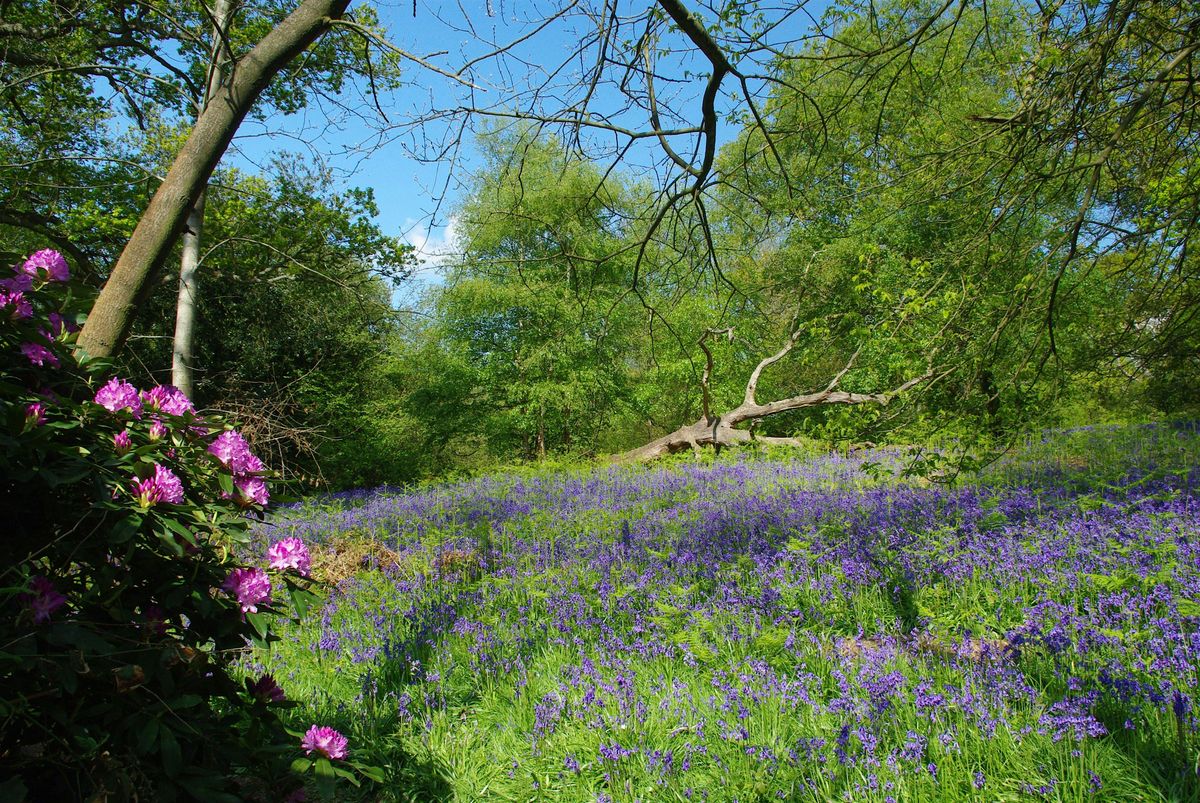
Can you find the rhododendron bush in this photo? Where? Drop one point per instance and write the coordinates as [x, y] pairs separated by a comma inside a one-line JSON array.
[[123, 606]]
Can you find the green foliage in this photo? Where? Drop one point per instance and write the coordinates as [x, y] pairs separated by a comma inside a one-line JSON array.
[[531, 354], [118, 628], [293, 317]]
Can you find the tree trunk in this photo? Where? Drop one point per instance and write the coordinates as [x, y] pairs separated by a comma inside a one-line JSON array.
[[541, 433], [721, 430], [189, 258], [185, 304], [159, 227]]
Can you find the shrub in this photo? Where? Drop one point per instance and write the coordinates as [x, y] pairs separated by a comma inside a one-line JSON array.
[[123, 609]]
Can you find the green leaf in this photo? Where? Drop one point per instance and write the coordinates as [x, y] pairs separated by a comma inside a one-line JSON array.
[[301, 765], [147, 736], [125, 529], [260, 622], [302, 600], [13, 790], [347, 774], [373, 773], [172, 758], [1187, 607]]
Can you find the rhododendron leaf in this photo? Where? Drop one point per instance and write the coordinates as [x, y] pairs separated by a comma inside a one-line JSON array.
[[168, 747], [323, 768], [300, 765], [226, 481], [260, 623], [373, 773], [302, 599], [171, 543], [347, 774], [147, 736], [125, 529], [179, 529]]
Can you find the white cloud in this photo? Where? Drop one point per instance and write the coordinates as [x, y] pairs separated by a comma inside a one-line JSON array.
[[434, 247]]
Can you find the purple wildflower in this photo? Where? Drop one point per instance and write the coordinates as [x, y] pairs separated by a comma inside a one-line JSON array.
[[290, 553], [1180, 704], [250, 586], [47, 264], [325, 741], [117, 395], [161, 486]]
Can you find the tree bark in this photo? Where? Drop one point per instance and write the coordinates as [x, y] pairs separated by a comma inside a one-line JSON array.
[[189, 258], [185, 304], [160, 226]]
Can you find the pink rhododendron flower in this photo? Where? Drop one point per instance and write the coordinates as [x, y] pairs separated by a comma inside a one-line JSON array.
[[121, 441], [44, 599], [117, 395], [250, 586], [35, 414], [232, 450], [48, 264], [58, 324], [20, 283], [252, 490], [325, 741], [169, 399], [290, 553], [17, 304], [156, 620], [161, 486], [38, 354], [267, 690], [158, 430]]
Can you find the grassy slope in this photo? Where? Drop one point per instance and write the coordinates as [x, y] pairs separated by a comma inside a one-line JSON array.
[[760, 630]]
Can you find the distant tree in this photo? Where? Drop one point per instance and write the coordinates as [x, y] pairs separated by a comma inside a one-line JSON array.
[[537, 301]]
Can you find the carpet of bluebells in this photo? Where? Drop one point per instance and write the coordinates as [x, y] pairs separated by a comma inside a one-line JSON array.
[[769, 628]]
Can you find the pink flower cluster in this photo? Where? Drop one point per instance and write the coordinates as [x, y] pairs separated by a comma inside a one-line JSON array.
[[324, 741], [290, 553], [168, 399], [118, 395], [39, 354], [47, 265], [21, 308], [234, 453], [250, 586], [161, 486]]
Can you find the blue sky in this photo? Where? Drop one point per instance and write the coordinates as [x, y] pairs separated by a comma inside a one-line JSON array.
[[416, 198]]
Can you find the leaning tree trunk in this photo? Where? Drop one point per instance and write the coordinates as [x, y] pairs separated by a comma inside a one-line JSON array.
[[189, 258], [160, 225], [721, 430]]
